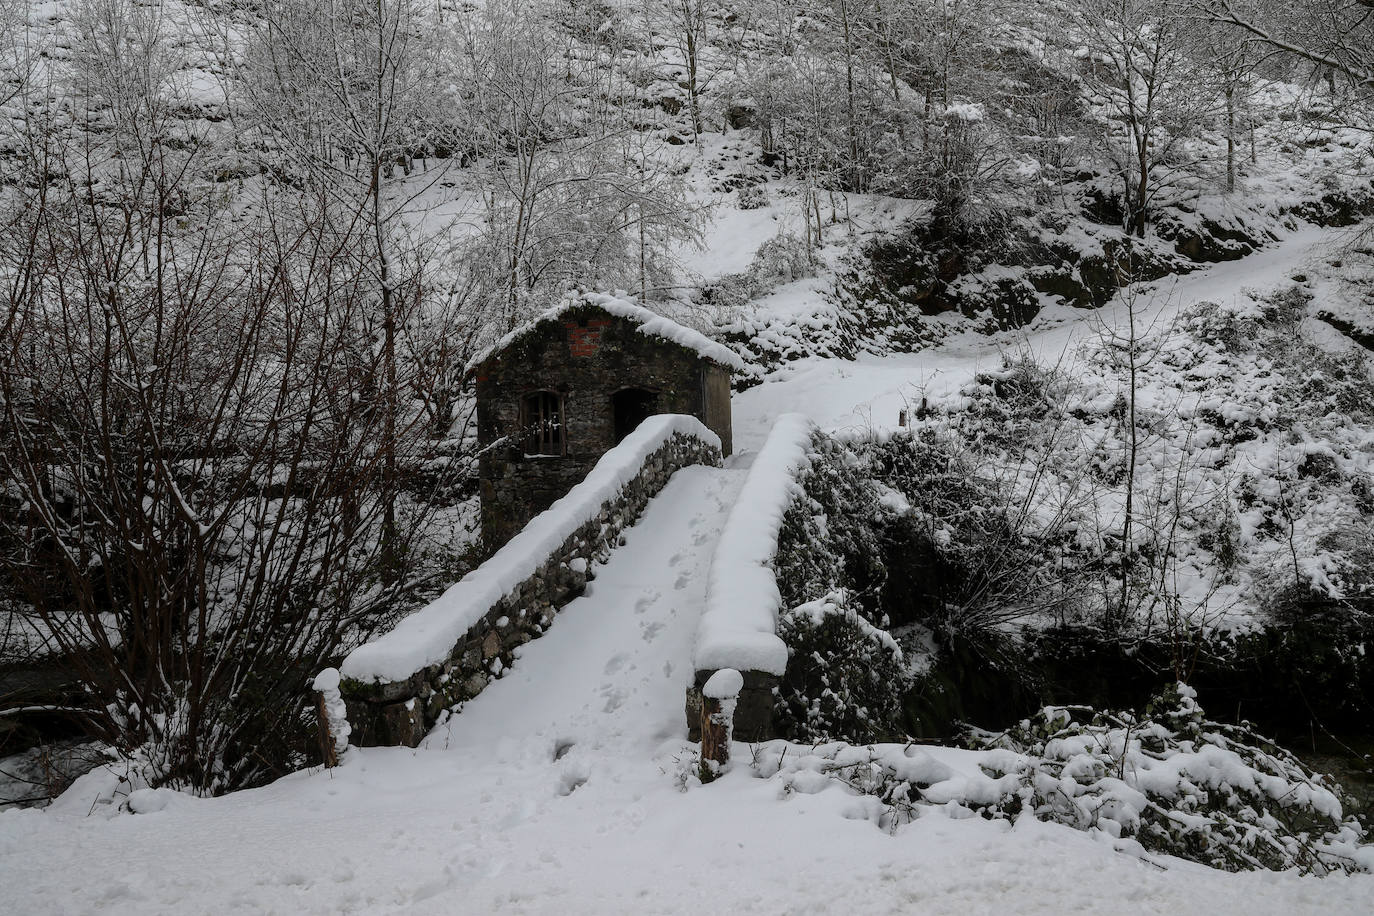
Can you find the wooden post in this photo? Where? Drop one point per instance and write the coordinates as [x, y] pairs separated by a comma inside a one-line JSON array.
[[328, 752], [331, 717], [718, 700]]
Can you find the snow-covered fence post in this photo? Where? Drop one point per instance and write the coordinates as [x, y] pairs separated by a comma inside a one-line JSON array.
[[331, 716], [718, 700]]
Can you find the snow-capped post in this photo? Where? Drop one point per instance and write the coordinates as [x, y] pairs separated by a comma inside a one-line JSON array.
[[332, 717], [718, 700]]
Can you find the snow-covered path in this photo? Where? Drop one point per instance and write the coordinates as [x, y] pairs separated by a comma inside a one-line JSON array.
[[869, 393], [615, 665]]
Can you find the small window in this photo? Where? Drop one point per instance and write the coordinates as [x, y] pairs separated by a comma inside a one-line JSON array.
[[542, 420]]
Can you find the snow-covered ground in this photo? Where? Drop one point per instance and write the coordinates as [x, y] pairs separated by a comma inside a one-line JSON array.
[[560, 788]]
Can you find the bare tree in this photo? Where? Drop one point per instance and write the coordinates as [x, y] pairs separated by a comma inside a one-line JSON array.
[[195, 501], [572, 192], [341, 87], [1138, 65], [1337, 35], [1132, 347], [1233, 67], [689, 31]]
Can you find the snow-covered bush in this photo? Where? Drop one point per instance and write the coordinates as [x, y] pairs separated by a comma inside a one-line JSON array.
[[781, 259], [845, 674], [1168, 782], [778, 260], [989, 558], [900, 534], [770, 340], [831, 540], [1243, 479], [845, 677], [1281, 422], [1179, 784], [752, 197]]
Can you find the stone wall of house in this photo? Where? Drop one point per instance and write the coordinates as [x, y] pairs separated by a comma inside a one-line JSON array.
[[401, 712], [585, 356]]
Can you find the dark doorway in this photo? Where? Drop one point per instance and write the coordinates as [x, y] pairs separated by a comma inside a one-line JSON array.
[[632, 406]]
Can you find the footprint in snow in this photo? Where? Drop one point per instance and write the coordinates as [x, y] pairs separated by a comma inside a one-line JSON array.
[[682, 582], [614, 700], [651, 630], [615, 664], [675, 559], [572, 778]]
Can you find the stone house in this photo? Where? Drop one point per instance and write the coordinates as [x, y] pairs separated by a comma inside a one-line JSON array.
[[557, 394]]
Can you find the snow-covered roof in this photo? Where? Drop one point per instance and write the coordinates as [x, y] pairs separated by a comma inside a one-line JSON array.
[[650, 323]]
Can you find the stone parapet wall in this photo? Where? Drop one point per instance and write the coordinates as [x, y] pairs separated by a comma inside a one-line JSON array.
[[753, 719], [400, 711], [738, 628]]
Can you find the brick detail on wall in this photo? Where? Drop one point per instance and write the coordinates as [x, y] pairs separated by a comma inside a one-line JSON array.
[[584, 340]]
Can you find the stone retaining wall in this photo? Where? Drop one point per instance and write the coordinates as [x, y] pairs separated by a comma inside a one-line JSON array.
[[401, 712]]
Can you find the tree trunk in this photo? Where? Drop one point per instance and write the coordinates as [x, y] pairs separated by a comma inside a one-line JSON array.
[[391, 559], [719, 695], [715, 739], [329, 753], [1140, 216], [1230, 140]]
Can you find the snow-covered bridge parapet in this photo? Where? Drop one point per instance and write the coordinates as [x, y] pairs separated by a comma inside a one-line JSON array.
[[739, 625], [396, 686]]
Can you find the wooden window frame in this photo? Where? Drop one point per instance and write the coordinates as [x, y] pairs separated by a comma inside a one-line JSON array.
[[543, 420]]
